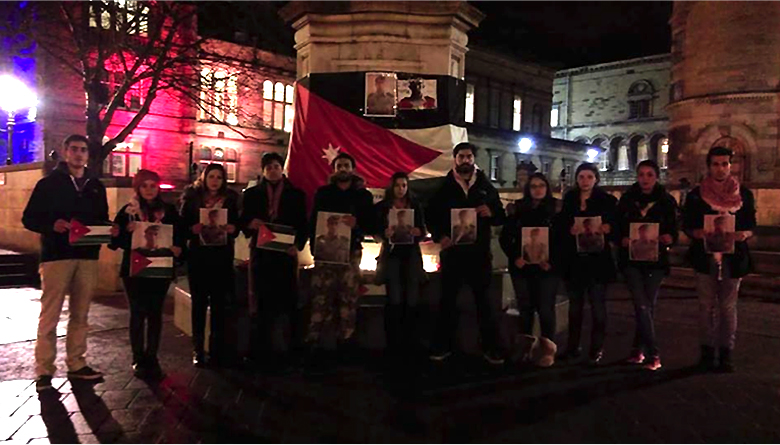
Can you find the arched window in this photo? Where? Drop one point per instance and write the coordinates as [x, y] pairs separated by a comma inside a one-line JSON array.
[[125, 160], [536, 118], [640, 99], [278, 105], [227, 157]]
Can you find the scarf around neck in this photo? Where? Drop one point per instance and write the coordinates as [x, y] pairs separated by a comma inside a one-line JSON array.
[[721, 196], [274, 196]]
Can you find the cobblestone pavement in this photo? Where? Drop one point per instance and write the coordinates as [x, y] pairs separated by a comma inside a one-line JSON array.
[[362, 402]]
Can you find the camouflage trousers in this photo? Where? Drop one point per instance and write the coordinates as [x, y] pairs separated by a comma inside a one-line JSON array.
[[335, 292]]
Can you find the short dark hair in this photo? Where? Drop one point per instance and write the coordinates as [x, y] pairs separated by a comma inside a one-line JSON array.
[[649, 163], [75, 138], [464, 146], [588, 166], [343, 155], [719, 151], [270, 157]]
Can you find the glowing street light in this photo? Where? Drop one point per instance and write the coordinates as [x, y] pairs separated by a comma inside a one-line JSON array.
[[14, 96], [592, 153], [525, 145]]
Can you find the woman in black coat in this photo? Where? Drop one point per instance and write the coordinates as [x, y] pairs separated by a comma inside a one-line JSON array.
[[589, 266], [535, 276], [644, 259], [210, 267], [400, 263], [146, 287]]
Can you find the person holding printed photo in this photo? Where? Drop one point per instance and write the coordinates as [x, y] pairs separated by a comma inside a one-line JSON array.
[[646, 202], [401, 266], [536, 285], [209, 267], [587, 274], [718, 275], [146, 295]]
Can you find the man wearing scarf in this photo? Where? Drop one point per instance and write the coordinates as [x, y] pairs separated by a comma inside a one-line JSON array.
[[273, 275], [465, 264], [718, 275]]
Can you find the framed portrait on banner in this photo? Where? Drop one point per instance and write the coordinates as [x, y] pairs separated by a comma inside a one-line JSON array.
[[380, 94], [417, 94]]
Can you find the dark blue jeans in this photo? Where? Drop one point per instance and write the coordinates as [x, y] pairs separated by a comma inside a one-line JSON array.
[[403, 295], [536, 294], [597, 293], [644, 286]]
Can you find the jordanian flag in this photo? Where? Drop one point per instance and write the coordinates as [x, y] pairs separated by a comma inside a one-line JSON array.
[[150, 266], [275, 237], [81, 235], [322, 129]]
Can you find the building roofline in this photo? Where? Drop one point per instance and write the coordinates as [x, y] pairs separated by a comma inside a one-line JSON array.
[[478, 50], [614, 65]]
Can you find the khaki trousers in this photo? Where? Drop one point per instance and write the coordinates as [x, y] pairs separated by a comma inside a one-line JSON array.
[[76, 278]]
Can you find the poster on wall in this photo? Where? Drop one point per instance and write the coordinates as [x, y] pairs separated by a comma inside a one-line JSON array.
[[380, 95], [417, 94]]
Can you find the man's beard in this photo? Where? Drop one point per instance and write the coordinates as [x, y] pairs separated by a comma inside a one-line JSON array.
[[342, 176], [465, 169]]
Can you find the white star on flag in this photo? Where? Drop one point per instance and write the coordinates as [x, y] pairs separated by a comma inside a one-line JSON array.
[[330, 153]]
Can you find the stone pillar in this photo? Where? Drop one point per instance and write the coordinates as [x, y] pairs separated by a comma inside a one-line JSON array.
[[422, 37], [725, 88]]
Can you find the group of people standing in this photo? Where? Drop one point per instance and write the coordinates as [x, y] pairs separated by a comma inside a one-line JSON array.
[[72, 193]]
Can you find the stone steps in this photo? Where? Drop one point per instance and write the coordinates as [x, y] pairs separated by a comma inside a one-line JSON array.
[[18, 269]]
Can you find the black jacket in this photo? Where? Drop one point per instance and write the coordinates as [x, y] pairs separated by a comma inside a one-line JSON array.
[[451, 196], [546, 214], [382, 211], [125, 239], [356, 201], [663, 212], [56, 197], [694, 210], [191, 203], [292, 211], [582, 268]]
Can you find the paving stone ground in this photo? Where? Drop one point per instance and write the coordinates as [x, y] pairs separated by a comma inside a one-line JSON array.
[[361, 401]]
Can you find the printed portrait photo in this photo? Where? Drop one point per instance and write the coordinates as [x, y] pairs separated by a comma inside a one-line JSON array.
[[463, 223], [401, 223], [719, 233], [332, 238], [380, 94], [590, 238], [153, 239], [536, 244], [417, 94], [643, 242], [214, 232]]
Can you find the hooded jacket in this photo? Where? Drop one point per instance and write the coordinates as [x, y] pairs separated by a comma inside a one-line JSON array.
[[355, 200], [740, 262], [57, 196], [661, 208], [452, 196]]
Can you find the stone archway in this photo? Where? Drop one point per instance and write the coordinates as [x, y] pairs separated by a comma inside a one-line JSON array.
[[637, 150], [618, 152], [739, 164]]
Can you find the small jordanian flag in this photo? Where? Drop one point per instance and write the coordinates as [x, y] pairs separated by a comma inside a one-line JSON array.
[[81, 235], [275, 237], [150, 266]]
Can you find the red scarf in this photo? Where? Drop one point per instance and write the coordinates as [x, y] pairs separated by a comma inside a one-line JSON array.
[[213, 202], [274, 196], [721, 196]]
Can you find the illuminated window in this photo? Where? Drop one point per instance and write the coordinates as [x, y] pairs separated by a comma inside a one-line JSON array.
[[517, 113], [278, 111], [623, 158], [495, 167], [554, 116], [469, 103], [663, 153], [125, 160], [218, 96], [129, 16], [227, 157]]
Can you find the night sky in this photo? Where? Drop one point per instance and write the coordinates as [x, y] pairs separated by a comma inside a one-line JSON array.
[[557, 34]]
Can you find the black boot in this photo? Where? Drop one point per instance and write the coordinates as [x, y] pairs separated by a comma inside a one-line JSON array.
[[725, 364], [707, 359]]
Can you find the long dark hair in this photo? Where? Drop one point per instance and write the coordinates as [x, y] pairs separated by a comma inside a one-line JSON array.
[[148, 208], [390, 193], [527, 200], [200, 183]]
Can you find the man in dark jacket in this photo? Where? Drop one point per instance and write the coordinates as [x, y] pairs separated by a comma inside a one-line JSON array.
[[470, 264], [718, 275], [335, 287], [69, 193], [274, 274]]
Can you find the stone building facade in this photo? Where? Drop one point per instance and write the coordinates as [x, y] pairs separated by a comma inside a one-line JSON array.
[[618, 106], [725, 88]]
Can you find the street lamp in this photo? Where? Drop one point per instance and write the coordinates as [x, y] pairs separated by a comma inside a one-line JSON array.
[[14, 96], [525, 145]]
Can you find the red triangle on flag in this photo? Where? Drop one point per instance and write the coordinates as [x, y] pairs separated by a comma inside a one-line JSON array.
[[77, 231], [138, 263], [321, 130], [264, 235]]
